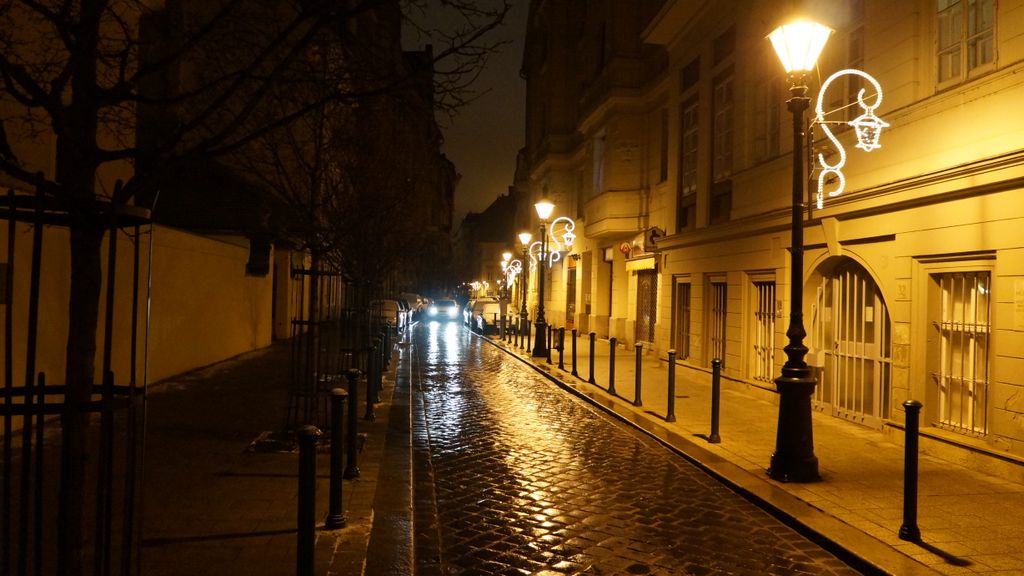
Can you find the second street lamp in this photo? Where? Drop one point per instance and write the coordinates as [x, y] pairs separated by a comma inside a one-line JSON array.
[[540, 342], [524, 239], [798, 46]]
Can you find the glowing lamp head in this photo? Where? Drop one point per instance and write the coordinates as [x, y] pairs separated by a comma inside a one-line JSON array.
[[569, 238], [799, 44], [524, 238], [506, 256], [544, 209], [868, 128]]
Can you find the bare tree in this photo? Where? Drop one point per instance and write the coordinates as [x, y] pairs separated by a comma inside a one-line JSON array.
[[77, 72]]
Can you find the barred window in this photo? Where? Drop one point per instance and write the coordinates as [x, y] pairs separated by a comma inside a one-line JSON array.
[[763, 332], [682, 336], [960, 369], [716, 307]]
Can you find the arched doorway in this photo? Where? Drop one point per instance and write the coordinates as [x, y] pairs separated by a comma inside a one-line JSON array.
[[851, 344]]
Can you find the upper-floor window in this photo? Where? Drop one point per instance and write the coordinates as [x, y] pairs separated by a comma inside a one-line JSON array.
[[767, 103], [663, 145], [599, 152], [689, 75], [722, 148], [966, 38], [724, 45], [686, 201]]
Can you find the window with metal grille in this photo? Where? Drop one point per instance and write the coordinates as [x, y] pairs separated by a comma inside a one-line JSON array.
[[716, 321], [966, 38], [961, 369], [682, 336], [763, 332]]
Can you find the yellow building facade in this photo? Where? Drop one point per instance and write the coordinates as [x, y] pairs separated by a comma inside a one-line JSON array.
[[674, 155]]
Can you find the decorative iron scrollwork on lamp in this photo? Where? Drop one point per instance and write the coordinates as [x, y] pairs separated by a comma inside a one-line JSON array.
[[867, 127]]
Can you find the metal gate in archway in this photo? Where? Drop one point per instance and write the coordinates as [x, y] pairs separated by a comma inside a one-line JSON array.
[[851, 343]]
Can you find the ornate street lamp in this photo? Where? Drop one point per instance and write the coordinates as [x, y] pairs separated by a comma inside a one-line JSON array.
[[506, 258], [524, 239], [540, 343], [798, 45]]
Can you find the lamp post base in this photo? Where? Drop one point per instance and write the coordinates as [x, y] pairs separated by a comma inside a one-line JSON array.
[[794, 459], [540, 346]]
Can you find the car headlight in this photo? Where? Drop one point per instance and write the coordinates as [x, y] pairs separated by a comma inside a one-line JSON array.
[[453, 312], [433, 310]]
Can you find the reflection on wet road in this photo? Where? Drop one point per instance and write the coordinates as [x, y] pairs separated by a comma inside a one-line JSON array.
[[529, 480]]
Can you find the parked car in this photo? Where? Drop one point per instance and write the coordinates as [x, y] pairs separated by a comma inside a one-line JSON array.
[[389, 311], [410, 312], [443, 310], [416, 302], [486, 316]]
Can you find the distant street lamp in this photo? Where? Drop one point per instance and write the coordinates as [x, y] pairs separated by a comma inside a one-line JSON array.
[[524, 239], [798, 46], [540, 343], [506, 258]]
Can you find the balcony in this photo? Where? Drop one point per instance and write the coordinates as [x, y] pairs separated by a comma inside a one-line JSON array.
[[614, 213]]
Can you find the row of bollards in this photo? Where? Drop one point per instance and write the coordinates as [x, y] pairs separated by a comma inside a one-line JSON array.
[[908, 530], [344, 453]]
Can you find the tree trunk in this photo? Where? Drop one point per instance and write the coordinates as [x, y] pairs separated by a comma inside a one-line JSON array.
[[76, 177], [86, 279]]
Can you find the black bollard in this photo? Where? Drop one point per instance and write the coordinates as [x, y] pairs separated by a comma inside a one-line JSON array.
[[611, 366], [909, 530], [716, 393], [529, 334], [307, 499], [352, 434], [637, 398], [378, 376], [592, 348], [374, 367], [551, 331], [335, 516], [561, 348], [574, 372], [670, 416], [501, 329]]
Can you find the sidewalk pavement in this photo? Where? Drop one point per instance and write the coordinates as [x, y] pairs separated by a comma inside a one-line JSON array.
[[970, 522], [214, 505]]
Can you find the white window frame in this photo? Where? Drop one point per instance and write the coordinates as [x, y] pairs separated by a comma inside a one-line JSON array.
[[953, 18]]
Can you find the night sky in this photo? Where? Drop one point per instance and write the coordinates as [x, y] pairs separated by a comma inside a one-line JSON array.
[[483, 139]]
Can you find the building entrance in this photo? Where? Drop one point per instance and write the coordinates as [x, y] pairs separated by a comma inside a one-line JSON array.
[[646, 301], [851, 343]]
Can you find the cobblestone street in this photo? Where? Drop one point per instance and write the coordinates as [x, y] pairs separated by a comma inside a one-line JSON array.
[[525, 479]]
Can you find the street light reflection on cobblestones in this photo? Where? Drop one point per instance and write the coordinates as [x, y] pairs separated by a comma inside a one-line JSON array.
[[526, 479]]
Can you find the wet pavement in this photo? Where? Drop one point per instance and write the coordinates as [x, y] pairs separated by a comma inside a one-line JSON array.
[[520, 478]]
